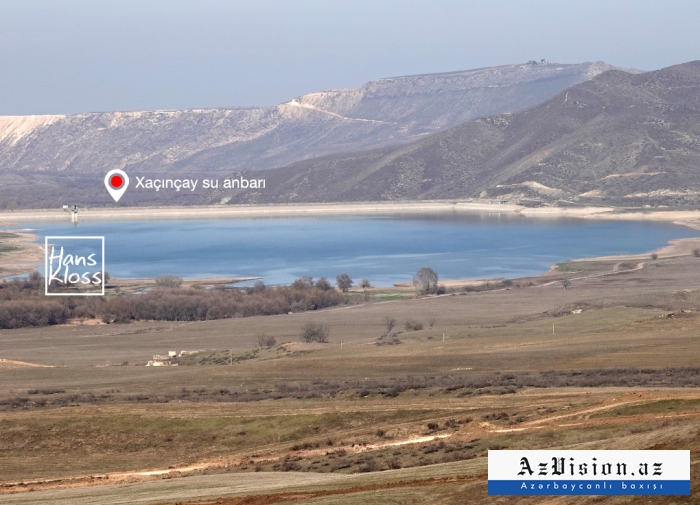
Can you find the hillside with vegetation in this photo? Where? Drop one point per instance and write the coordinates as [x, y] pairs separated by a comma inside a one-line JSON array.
[[50, 160], [619, 139]]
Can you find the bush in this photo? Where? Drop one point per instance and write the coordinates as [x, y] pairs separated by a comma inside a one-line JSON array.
[[167, 281], [369, 466], [23, 304], [265, 341], [303, 282], [323, 284], [696, 253], [315, 332], [654, 256], [413, 325]]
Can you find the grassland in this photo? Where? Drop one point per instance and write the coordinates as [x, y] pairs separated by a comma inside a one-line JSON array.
[[609, 362]]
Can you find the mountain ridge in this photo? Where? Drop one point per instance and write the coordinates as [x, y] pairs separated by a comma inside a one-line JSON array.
[[619, 138], [382, 112]]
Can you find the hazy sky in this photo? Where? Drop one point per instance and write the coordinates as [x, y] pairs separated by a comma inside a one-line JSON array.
[[69, 56]]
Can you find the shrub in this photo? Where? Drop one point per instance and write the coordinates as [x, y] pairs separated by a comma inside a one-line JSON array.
[[167, 281], [696, 253], [315, 332], [654, 256], [323, 284], [22, 304], [433, 426], [303, 282], [291, 466], [393, 464], [265, 341], [499, 416], [413, 325], [369, 466]]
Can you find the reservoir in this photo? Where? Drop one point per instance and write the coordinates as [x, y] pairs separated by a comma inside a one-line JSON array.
[[383, 249]]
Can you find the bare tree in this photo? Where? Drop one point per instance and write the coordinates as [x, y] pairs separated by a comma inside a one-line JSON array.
[[566, 283], [168, 281], [315, 332], [426, 281], [344, 282], [265, 341], [389, 323], [431, 321], [365, 284], [323, 284], [303, 282]]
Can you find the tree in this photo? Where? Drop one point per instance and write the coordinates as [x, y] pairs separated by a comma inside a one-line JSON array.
[[315, 332], [654, 256], [566, 283], [344, 282], [389, 323], [303, 282], [696, 253], [168, 281], [365, 284], [259, 287], [426, 281], [323, 284]]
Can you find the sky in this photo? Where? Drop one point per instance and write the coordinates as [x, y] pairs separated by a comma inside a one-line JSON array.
[[73, 56]]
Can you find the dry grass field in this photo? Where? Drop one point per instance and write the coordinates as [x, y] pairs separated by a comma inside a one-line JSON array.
[[609, 362]]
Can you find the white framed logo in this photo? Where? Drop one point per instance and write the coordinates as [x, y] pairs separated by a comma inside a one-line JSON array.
[[74, 266]]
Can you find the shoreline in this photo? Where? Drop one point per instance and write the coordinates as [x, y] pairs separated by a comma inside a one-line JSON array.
[[353, 208], [22, 261], [293, 210]]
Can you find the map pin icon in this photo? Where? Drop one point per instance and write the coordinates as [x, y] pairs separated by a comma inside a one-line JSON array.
[[116, 182]]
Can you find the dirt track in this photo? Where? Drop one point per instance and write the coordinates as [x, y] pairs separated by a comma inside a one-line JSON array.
[[267, 499]]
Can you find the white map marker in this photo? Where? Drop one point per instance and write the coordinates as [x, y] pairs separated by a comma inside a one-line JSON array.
[[116, 182]]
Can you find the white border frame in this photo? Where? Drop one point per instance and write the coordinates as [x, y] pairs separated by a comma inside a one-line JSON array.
[[46, 267]]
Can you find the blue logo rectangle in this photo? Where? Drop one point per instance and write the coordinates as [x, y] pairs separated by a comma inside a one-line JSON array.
[[592, 472], [589, 487]]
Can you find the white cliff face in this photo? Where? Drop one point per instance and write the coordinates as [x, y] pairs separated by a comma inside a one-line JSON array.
[[13, 128], [380, 113]]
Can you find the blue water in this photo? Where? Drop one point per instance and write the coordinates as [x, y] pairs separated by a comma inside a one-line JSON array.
[[384, 249]]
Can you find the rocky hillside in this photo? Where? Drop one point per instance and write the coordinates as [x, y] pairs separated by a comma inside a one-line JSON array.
[[620, 138], [383, 112]]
